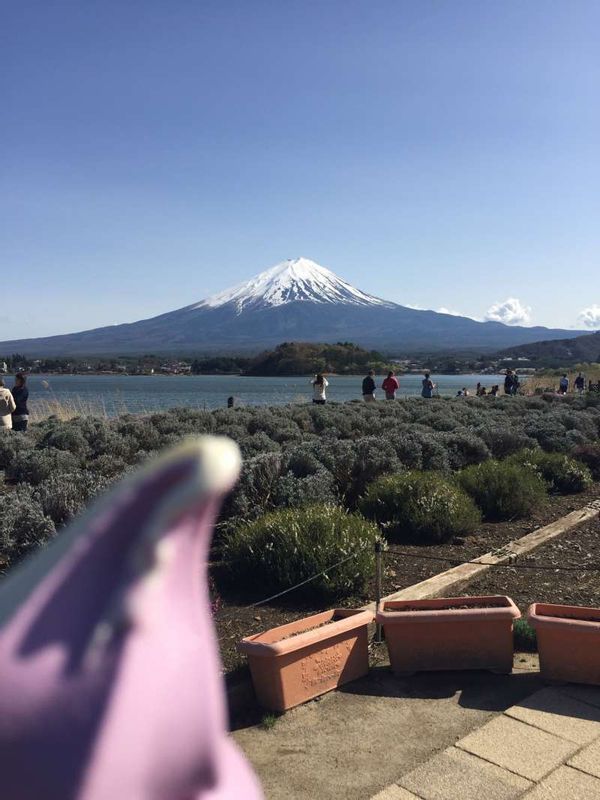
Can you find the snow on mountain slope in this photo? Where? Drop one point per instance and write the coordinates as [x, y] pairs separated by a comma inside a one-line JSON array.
[[298, 279]]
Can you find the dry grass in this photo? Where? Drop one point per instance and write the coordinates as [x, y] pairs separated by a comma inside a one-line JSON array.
[[548, 380], [65, 408], [44, 407]]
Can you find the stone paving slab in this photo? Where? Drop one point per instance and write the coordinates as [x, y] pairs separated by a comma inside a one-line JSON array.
[[588, 759], [566, 784], [359, 740], [395, 792], [457, 775], [587, 694], [509, 743], [559, 714]]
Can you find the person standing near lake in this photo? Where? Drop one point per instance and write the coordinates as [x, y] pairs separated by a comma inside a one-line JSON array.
[[319, 384], [428, 386], [368, 387], [580, 383], [508, 382], [390, 386], [7, 406], [20, 393], [563, 386]]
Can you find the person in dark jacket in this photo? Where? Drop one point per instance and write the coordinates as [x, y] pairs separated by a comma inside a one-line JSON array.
[[20, 393], [428, 386], [509, 382], [368, 387]]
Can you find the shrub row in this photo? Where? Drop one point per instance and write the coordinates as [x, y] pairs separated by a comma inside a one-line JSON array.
[[419, 506], [298, 456], [286, 547], [503, 490], [283, 548]]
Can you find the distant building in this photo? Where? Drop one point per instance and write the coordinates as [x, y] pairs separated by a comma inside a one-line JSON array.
[[176, 368]]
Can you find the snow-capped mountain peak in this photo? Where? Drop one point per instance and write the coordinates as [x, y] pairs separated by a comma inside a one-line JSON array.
[[297, 279]]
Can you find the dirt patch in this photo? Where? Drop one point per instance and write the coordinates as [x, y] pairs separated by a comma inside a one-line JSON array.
[[579, 547], [236, 620], [401, 571]]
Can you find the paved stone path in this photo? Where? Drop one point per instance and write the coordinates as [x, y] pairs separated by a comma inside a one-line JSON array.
[[353, 742], [546, 747]]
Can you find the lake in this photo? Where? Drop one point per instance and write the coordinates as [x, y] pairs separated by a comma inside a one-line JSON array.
[[115, 394]]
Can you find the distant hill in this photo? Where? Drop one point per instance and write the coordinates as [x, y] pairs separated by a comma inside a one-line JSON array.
[[306, 358], [559, 352], [297, 299]]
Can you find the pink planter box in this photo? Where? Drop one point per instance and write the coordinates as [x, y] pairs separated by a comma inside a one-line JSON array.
[[449, 633], [290, 669], [568, 642]]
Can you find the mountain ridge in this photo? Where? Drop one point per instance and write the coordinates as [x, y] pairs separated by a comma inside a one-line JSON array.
[[559, 352], [295, 300]]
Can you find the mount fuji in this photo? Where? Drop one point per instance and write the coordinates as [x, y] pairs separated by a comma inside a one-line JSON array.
[[295, 300]]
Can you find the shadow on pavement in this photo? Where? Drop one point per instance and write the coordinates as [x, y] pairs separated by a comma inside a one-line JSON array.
[[477, 689]]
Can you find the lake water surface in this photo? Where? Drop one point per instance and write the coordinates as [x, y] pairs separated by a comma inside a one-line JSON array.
[[114, 394]]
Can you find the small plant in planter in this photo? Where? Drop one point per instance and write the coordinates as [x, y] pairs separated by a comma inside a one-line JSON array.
[[568, 638], [524, 637], [449, 633], [293, 663]]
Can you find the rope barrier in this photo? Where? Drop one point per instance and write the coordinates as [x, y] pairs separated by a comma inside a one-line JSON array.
[[509, 565], [219, 615]]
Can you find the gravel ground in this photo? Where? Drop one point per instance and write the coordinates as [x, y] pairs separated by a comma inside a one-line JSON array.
[[553, 584]]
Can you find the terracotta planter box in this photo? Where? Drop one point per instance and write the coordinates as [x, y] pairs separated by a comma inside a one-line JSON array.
[[568, 642], [301, 660], [449, 633]]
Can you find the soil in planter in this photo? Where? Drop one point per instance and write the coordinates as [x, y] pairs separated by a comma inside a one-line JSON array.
[[327, 622], [451, 608], [570, 616]]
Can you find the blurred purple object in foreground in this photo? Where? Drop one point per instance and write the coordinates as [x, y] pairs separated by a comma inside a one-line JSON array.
[[110, 683]]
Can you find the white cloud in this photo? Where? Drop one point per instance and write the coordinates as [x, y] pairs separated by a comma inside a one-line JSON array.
[[444, 310], [510, 312], [590, 317]]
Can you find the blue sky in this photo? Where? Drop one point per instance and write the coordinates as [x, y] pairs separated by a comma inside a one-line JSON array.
[[439, 154]]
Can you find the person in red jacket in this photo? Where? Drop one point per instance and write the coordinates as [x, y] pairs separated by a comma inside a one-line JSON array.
[[390, 386]]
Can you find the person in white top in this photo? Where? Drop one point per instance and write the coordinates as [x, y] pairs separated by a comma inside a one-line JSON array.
[[7, 406], [319, 384]]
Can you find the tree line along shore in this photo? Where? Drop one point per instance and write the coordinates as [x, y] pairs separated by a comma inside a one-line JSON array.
[[287, 359]]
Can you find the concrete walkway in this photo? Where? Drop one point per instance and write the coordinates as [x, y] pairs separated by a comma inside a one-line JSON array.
[[352, 743], [546, 747]]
